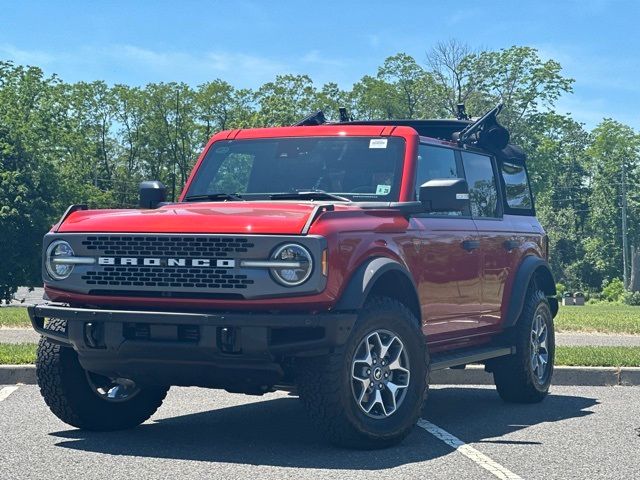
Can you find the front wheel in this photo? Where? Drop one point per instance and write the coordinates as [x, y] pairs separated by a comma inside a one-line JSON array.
[[525, 377], [87, 400], [369, 392]]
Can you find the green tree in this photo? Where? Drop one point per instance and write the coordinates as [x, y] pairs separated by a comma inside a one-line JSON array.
[[414, 87], [614, 147], [518, 77], [285, 100], [29, 114]]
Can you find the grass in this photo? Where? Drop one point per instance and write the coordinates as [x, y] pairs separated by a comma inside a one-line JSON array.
[[17, 354], [601, 318], [598, 356], [14, 317], [21, 354]]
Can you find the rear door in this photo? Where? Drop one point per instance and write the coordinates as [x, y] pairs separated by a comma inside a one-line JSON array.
[[498, 245], [447, 244]]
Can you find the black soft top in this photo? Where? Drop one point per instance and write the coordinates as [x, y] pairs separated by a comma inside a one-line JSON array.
[[441, 129], [444, 130]]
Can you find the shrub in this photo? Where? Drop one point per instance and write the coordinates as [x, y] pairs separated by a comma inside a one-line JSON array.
[[613, 291], [560, 289], [632, 298]]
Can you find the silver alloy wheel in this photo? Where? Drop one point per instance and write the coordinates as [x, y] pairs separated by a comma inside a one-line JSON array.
[[539, 344], [112, 390], [380, 374]]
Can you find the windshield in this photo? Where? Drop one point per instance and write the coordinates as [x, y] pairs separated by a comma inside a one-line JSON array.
[[354, 168]]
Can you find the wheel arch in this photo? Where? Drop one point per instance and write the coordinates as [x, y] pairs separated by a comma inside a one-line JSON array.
[[380, 276], [531, 269]]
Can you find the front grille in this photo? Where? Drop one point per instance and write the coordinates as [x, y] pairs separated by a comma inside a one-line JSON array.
[[167, 246], [183, 277], [166, 277]]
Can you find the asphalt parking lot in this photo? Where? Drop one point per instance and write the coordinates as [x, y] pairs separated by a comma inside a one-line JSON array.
[[578, 432]]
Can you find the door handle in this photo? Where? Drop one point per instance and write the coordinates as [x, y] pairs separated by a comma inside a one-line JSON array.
[[511, 244], [470, 245]]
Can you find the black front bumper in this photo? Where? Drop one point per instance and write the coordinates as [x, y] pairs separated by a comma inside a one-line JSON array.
[[237, 351]]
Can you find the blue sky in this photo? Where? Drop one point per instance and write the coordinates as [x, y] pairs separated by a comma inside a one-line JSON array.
[[248, 43]]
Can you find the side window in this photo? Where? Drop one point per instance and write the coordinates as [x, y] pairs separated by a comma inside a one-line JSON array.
[[516, 186], [435, 162], [482, 184]]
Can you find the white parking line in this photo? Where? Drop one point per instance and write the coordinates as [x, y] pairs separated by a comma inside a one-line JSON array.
[[468, 451], [6, 391]]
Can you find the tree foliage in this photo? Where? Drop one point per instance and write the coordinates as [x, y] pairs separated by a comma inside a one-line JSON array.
[[89, 142]]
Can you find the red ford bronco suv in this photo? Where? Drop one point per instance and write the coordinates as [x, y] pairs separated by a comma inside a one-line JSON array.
[[342, 261]]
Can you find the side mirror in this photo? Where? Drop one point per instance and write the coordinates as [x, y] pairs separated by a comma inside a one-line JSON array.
[[445, 195], [152, 194]]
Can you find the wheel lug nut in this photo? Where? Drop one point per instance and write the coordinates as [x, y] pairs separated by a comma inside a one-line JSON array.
[[368, 371], [383, 363], [386, 375], [381, 386]]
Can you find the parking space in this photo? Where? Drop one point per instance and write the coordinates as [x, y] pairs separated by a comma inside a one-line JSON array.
[[579, 432]]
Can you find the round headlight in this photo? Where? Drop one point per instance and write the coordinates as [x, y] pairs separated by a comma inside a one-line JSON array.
[[57, 249], [297, 264]]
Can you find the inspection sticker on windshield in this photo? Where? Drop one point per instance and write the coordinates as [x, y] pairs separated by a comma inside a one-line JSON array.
[[378, 143], [383, 189]]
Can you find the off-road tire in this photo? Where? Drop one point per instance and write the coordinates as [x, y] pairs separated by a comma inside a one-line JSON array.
[[66, 390], [324, 383], [514, 376]]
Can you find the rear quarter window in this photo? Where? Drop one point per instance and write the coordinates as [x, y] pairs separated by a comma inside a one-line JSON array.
[[518, 197]]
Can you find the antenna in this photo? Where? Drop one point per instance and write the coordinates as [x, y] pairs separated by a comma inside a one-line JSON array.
[[344, 115], [462, 112]]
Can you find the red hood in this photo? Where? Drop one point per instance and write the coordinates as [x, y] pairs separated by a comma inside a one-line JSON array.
[[228, 217]]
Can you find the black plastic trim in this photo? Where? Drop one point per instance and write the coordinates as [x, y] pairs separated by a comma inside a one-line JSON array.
[[363, 280], [527, 269]]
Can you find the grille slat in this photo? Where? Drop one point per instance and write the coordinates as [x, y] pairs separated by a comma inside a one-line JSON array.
[[176, 277], [167, 246]]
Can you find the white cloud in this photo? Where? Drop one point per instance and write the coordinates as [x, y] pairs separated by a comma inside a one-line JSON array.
[[233, 66], [126, 62], [316, 57], [591, 70], [25, 57]]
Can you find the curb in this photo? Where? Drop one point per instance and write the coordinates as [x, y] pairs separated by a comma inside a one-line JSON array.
[[565, 376], [12, 374], [472, 375]]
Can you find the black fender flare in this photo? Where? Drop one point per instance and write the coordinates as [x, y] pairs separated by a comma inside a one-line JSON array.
[[530, 267], [364, 279]]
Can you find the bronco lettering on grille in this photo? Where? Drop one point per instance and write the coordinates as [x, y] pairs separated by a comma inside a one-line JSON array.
[[168, 262]]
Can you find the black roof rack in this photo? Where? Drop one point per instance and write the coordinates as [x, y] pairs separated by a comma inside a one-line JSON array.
[[485, 132], [442, 129]]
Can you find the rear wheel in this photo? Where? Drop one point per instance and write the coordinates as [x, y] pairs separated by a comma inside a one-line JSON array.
[[369, 392], [87, 400], [525, 377]]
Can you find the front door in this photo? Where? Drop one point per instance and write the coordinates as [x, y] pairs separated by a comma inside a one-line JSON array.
[[447, 245]]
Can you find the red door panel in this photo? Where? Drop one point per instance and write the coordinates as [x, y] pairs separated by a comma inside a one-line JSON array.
[[449, 278]]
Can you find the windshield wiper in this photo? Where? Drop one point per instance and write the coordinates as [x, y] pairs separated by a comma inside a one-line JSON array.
[[310, 195], [214, 197]]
